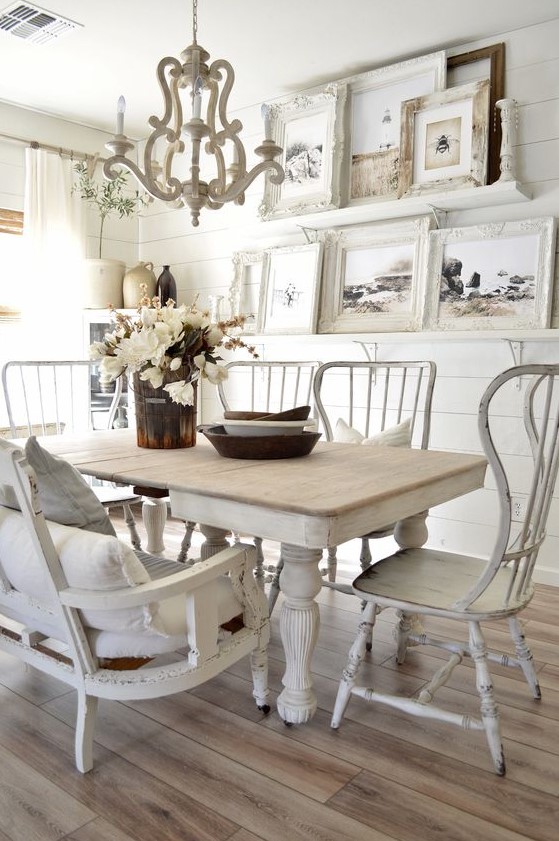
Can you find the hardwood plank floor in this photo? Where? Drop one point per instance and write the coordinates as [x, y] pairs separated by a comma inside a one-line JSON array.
[[208, 766]]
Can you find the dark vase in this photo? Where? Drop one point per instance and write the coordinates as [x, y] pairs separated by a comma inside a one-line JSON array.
[[166, 287], [161, 423]]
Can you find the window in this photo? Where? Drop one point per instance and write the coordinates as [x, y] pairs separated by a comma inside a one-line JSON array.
[[11, 256]]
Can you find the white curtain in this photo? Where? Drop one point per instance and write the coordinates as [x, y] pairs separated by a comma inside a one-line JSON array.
[[54, 233]]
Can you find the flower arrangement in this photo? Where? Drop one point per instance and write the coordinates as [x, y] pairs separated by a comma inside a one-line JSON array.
[[170, 346]]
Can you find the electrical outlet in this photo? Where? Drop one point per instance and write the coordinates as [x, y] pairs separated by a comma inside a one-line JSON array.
[[518, 507]]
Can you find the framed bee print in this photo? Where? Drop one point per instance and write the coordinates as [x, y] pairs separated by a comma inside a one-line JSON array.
[[244, 292], [374, 103], [310, 131], [290, 289], [491, 277], [374, 277], [444, 140]]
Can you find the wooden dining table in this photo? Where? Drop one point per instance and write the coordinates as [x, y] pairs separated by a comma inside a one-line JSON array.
[[337, 493]]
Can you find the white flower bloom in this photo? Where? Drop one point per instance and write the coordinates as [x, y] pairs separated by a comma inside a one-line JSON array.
[[214, 373], [197, 320], [111, 366], [153, 375], [97, 350], [133, 353], [148, 316], [181, 392], [214, 335], [175, 363]]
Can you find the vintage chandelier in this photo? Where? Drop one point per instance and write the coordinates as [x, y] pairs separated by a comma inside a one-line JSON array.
[[204, 84]]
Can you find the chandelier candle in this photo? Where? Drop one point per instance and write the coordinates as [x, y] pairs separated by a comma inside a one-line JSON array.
[[193, 74]]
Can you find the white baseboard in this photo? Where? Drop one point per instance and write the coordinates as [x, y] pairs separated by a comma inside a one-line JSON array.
[[546, 575]]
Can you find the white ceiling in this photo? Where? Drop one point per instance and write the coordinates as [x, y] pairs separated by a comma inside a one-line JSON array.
[[275, 46]]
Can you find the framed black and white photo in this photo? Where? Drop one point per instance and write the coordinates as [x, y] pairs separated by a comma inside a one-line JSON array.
[[310, 131], [244, 293], [491, 277], [375, 100], [444, 140], [374, 277], [290, 289]]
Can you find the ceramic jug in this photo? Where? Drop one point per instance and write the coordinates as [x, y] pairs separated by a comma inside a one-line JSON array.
[[131, 292]]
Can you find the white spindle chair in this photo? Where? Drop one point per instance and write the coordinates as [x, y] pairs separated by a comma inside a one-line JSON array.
[[372, 397], [496, 587], [54, 397]]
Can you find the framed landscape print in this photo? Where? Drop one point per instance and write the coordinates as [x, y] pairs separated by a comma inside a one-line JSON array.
[[375, 100], [491, 277], [244, 293], [310, 131], [290, 288], [444, 140], [374, 277]]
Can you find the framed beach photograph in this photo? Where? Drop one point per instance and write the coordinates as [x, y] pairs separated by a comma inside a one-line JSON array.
[[290, 289], [444, 140], [491, 277], [244, 292], [309, 129], [375, 99], [374, 277]]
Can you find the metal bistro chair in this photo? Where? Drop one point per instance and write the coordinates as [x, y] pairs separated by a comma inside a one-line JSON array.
[[430, 582], [384, 402], [254, 385], [52, 397]]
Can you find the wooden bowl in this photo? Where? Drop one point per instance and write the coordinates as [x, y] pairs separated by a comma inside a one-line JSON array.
[[263, 447], [297, 413]]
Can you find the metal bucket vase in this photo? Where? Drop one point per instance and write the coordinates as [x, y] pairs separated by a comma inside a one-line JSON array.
[[161, 423]]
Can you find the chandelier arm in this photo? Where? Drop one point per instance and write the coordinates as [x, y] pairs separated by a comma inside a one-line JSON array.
[[147, 182], [238, 187]]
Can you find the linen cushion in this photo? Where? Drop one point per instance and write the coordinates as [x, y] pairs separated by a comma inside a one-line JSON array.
[[395, 436], [65, 495], [90, 561]]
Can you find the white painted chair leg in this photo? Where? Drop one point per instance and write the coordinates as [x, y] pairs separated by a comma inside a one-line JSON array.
[[356, 654], [525, 657], [365, 557], [403, 629], [489, 709], [259, 564], [186, 543], [259, 669], [274, 590], [130, 521], [85, 726], [332, 563]]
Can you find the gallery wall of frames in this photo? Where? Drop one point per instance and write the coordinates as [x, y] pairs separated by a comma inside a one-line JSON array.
[[393, 148]]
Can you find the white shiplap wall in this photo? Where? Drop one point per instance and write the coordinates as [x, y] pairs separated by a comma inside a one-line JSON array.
[[201, 262]]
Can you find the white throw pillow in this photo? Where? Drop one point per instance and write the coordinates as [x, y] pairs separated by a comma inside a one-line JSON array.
[[65, 495], [395, 436], [90, 561]]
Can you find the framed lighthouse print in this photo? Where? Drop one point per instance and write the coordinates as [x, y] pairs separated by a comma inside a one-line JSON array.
[[375, 100]]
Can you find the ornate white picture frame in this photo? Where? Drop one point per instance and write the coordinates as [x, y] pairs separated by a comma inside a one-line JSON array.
[[444, 140], [290, 289], [244, 292], [310, 131], [374, 277], [491, 277], [375, 100]]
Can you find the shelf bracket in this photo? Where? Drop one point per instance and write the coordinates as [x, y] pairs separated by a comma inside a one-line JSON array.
[[312, 237], [436, 211], [367, 348], [516, 347]]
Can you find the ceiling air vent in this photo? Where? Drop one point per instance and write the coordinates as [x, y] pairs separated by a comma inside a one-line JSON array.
[[30, 23]]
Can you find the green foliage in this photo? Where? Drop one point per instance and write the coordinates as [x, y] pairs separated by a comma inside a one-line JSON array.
[[107, 196]]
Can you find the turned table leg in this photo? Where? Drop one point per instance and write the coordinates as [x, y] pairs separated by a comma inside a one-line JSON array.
[[412, 533], [214, 541], [300, 582]]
